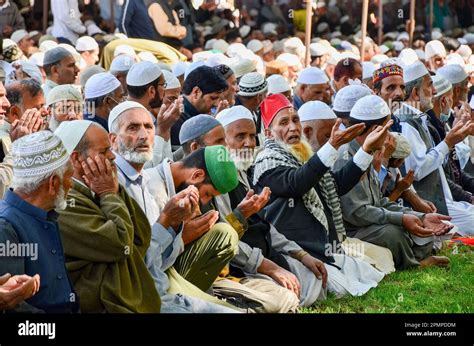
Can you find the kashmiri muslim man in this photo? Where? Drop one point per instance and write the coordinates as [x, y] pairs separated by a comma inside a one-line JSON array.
[[104, 232], [65, 104], [304, 203]]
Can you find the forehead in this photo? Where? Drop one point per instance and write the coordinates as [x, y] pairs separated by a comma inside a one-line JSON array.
[[215, 133], [135, 115], [286, 113], [392, 80], [174, 91], [68, 60], [242, 126]]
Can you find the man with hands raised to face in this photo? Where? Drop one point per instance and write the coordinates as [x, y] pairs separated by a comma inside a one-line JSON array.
[[369, 217], [304, 204]]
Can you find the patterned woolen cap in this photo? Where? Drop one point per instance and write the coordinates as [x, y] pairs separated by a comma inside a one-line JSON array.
[[38, 154], [252, 84]]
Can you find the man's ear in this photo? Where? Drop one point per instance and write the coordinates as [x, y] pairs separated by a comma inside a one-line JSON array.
[[196, 93], [308, 132], [194, 146], [13, 114], [75, 161], [415, 94], [54, 69], [54, 185], [198, 176], [113, 140], [268, 133]]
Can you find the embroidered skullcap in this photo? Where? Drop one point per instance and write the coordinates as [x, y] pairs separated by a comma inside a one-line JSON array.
[[347, 97], [441, 85], [371, 107], [252, 84], [387, 71]]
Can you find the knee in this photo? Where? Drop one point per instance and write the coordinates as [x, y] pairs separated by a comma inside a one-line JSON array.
[[225, 235], [394, 236]]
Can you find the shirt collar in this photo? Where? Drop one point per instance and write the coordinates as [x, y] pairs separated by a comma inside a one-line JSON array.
[[13, 199], [5, 5], [127, 169], [84, 186]]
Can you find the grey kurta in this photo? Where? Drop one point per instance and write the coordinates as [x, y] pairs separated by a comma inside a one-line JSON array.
[[373, 218]]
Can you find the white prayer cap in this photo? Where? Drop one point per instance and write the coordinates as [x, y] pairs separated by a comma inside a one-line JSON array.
[[371, 107], [383, 49], [19, 35], [86, 43], [244, 30], [346, 45], [403, 36], [235, 49], [71, 133], [269, 28], [143, 73], [407, 57], [124, 49], [164, 66], [315, 110], [312, 75], [322, 27], [453, 73], [290, 59], [267, 46], [54, 55], [398, 46], [31, 70], [402, 148], [334, 58], [368, 69], [121, 63], [171, 81], [209, 43], [255, 45], [433, 48], [232, 114], [37, 155], [344, 19], [8, 43], [202, 56], [436, 35], [63, 92], [465, 51], [318, 49], [347, 97], [218, 59], [47, 45], [278, 46], [71, 50], [455, 59], [414, 71], [220, 45], [243, 66], [441, 85], [179, 68], [120, 108], [192, 66], [462, 41], [100, 84], [252, 84], [420, 53], [147, 56], [277, 84], [378, 59], [294, 46], [37, 58], [336, 34]]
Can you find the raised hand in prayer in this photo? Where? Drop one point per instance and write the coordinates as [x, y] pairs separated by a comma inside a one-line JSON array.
[[100, 175], [15, 289], [195, 228], [436, 224], [376, 139], [415, 226], [405, 182], [223, 104], [389, 146], [317, 267], [457, 133], [167, 116], [339, 137], [253, 203], [282, 276], [180, 208], [31, 121]]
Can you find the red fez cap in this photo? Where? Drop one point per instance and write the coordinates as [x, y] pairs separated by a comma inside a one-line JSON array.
[[271, 106]]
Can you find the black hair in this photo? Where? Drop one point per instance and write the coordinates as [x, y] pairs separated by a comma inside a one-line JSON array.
[[224, 70], [16, 92], [342, 115], [232, 35], [187, 146], [139, 91], [368, 123], [197, 160], [96, 101], [206, 78]]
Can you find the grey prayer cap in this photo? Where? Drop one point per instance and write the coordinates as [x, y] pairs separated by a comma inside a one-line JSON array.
[[196, 127], [54, 55]]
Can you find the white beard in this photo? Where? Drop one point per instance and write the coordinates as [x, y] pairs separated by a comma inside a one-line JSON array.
[[53, 123], [60, 202], [243, 159], [132, 156]]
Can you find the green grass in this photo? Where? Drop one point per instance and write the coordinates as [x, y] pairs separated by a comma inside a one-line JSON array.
[[431, 290]]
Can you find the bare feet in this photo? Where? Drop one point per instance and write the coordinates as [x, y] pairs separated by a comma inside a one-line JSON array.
[[439, 261]]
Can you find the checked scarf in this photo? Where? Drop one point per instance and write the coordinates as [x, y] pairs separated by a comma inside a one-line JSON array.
[[274, 155]]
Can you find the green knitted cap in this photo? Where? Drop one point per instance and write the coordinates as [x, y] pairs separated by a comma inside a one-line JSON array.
[[221, 168]]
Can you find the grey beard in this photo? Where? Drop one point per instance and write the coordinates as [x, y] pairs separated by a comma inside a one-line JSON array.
[[53, 123], [132, 156], [60, 202], [243, 163]]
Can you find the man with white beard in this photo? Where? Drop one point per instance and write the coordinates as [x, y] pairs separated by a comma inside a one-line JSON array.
[[42, 175], [132, 137], [304, 204], [65, 104]]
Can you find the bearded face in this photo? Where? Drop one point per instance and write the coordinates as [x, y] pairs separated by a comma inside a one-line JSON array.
[[243, 158], [139, 154]]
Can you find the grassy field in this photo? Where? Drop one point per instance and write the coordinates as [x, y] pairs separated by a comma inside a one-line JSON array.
[[432, 290]]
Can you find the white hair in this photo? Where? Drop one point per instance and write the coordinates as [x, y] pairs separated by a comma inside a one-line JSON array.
[[31, 184]]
